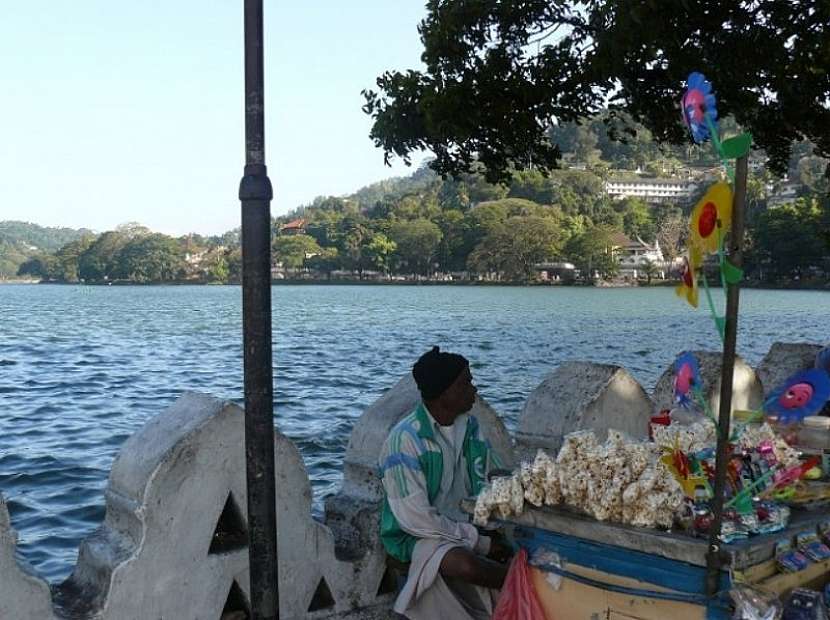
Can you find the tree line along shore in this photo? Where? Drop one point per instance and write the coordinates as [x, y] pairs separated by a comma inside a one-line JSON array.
[[615, 212]]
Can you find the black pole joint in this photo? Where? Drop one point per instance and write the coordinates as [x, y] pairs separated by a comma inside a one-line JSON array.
[[255, 184]]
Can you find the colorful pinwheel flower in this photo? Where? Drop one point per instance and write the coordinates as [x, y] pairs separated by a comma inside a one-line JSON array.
[[711, 215], [802, 395], [699, 107], [686, 378], [687, 288]]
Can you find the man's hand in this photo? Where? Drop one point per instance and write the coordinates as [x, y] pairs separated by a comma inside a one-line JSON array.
[[500, 551]]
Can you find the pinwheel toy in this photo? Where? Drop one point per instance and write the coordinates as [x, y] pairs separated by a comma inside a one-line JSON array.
[[700, 112], [687, 289], [802, 395], [686, 378], [711, 218]]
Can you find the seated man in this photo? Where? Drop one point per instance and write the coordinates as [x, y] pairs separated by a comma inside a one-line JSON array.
[[432, 459]]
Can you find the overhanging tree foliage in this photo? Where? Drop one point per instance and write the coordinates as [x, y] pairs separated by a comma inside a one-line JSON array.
[[500, 72]]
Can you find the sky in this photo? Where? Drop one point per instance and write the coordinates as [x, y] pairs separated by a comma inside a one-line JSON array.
[[115, 111]]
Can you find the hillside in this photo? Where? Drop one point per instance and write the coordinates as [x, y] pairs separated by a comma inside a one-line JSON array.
[[22, 240], [426, 226]]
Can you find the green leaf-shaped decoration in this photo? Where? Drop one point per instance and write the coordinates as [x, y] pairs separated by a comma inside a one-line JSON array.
[[731, 273], [736, 147], [720, 323]]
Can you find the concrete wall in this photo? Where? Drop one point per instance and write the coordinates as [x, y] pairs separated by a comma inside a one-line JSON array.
[[582, 396], [783, 360], [747, 392], [22, 594], [173, 542]]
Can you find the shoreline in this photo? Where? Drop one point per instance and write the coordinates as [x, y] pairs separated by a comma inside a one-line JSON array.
[[794, 286]]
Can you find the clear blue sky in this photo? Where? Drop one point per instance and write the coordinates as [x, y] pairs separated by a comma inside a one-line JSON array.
[[116, 111]]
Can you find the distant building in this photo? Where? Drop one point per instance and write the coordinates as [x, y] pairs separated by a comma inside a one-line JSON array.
[[578, 165], [294, 227], [634, 255], [626, 248], [757, 164], [650, 189], [699, 173], [783, 193], [195, 258], [556, 271]]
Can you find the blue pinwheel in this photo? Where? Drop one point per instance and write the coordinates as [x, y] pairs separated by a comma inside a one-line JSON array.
[[802, 395], [700, 112], [686, 379]]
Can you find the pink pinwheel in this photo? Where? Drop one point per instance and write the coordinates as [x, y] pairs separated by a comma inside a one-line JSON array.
[[699, 107]]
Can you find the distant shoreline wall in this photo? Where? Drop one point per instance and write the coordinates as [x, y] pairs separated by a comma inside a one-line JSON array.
[[788, 286]]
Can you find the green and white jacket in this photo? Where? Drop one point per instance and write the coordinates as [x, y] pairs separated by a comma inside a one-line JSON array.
[[425, 475]]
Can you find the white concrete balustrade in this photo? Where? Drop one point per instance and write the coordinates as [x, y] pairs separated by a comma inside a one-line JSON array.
[[173, 544]]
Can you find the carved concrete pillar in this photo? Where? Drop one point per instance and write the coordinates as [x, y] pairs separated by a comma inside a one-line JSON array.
[[783, 360], [582, 396], [747, 393], [22, 594], [174, 541]]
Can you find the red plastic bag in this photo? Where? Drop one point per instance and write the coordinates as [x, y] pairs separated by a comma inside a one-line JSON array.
[[518, 600]]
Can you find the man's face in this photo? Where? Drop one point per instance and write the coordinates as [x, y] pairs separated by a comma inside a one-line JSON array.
[[461, 395]]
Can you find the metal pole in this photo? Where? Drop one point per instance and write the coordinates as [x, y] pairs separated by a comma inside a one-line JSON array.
[[714, 559], [255, 194]]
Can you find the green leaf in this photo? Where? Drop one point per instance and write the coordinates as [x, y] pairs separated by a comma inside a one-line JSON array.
[[736, 147], [732, 273], [720, 323]]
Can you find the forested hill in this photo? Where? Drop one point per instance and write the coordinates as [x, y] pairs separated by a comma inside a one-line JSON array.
[[432, 226], [21, 240], [425, 224]]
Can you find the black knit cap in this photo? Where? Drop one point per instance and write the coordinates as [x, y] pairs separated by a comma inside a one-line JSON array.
[[434, 372]]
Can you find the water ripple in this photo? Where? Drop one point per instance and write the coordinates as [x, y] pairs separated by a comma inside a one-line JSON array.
[[80, 373]]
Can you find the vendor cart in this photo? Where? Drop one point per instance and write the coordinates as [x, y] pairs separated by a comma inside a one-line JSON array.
[[584, 568]]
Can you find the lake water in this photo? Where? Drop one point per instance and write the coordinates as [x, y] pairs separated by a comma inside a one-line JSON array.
[[82, 368]]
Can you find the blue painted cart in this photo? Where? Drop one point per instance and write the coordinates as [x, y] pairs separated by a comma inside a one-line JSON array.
[[594, 570]]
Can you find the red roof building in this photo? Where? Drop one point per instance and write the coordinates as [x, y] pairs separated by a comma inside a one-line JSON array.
[[294, 227]]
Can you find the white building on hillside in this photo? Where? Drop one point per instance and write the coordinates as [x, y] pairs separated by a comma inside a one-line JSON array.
[[650, 189], [782, 193], [634, 256]]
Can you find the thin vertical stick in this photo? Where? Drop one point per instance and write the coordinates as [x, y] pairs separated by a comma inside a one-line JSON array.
[[714, 561]]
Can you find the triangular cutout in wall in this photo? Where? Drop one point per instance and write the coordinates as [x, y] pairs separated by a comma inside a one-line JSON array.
[[322, 598], [236, 606], [230, 532]]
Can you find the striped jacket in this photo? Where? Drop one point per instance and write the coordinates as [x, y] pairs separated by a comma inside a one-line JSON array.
[[412, 466]]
